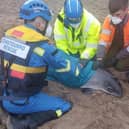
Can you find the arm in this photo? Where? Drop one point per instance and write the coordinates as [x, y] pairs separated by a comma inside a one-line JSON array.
[[67, 70], [60, 62], [2, 77], [104, 43], [75, 76], [60, 36], [91, 39], [105, 38]]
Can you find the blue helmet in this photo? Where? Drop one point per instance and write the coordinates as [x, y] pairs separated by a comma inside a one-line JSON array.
[[33, 8], [73, 10]]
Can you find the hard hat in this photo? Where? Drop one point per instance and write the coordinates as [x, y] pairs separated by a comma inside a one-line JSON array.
[[73, 10], [33, 8]]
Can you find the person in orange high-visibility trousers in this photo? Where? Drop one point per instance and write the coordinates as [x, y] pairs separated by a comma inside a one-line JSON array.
[[113, 49]]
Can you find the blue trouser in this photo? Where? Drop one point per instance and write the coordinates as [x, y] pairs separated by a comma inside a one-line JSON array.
[[37, 103]]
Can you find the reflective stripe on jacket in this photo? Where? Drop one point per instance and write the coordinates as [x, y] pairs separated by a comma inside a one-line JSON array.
[[74, 41], [108, 31]]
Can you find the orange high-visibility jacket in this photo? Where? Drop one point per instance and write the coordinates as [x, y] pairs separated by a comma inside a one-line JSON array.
[[108, 31]]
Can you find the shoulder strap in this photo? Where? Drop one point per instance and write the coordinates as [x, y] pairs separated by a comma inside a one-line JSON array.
[[62, 20]]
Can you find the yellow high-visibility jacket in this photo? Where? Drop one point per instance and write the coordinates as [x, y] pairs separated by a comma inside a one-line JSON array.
[[77, 41]]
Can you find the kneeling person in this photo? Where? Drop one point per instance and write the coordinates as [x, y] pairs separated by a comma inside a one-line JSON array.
[[27, 56]]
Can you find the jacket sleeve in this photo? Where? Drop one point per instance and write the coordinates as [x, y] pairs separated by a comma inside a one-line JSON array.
[[59, 36], [91, 40], [60, 61], [105, 38], [106, 33]]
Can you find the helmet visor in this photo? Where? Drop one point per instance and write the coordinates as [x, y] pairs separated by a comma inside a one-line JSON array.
[[74, 20]]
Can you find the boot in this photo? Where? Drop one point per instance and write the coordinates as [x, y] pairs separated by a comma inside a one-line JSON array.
[[30, 121], [15, 122]]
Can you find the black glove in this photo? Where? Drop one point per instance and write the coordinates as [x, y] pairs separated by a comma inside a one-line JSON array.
[[122, 54], [84, 62], [98, 64]]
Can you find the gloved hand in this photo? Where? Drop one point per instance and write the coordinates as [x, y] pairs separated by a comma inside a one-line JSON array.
[[84, 62], [84, 55], [122, 54], [98, 64], [113, 61]]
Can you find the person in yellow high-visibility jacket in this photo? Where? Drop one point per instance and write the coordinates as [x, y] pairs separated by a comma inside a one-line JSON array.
[[76, 31]]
